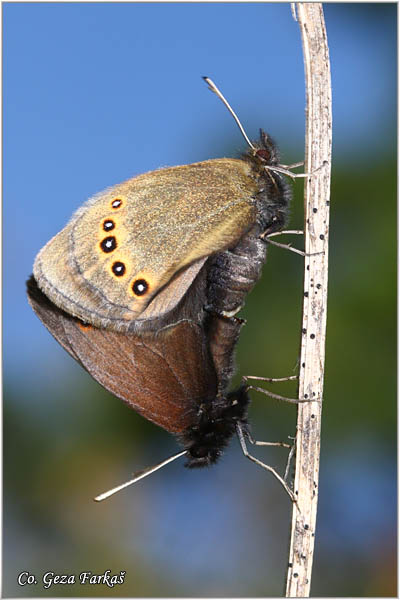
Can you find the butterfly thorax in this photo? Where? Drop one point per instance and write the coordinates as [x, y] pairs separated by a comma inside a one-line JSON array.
[[274, 192]]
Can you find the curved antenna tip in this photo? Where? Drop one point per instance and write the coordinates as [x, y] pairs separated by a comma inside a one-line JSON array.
[[213, 88]]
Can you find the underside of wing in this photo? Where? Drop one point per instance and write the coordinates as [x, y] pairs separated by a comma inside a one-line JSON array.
[[150, 229], [165, 376]]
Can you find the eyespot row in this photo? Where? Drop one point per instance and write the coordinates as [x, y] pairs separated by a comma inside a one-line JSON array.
[[109, 244]]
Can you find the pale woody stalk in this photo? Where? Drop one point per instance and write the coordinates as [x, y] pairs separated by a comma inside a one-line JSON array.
[[312, 357]]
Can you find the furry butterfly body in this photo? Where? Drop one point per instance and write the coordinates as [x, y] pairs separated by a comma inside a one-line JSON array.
[[142, 287]]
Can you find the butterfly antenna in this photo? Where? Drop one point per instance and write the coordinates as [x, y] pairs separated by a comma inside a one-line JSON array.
[[277, 168], [137, 476], [213, 88]]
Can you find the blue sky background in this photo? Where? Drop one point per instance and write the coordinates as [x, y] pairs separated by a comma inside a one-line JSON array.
[[94, 93]]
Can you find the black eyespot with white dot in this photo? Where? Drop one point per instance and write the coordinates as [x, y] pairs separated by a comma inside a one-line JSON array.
[[108, 244], [140, 287], [118, 269], [108, 225], [116, 203]]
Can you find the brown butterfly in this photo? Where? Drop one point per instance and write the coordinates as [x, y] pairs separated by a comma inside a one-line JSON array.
[[143, 285]]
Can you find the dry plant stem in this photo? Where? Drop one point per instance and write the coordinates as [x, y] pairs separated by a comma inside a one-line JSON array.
[[312, 356]]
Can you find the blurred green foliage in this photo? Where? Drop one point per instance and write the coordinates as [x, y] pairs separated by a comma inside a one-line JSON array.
[[52, 472]]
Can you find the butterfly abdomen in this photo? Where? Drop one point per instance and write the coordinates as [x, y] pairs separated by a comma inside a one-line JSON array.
[[217, 419]]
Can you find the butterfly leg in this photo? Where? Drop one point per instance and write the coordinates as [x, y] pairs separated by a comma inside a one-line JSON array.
[[292, 448], [245, 378], [266, 237], [286, 170], [289, 458], [242, 440], [285, 247], [293, 165], [261, 443], [271, 394], [278, 397], [270, 379]]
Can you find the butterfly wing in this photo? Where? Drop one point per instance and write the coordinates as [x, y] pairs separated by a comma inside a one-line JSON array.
[[150, 230], [163, 375], [49, 314]]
